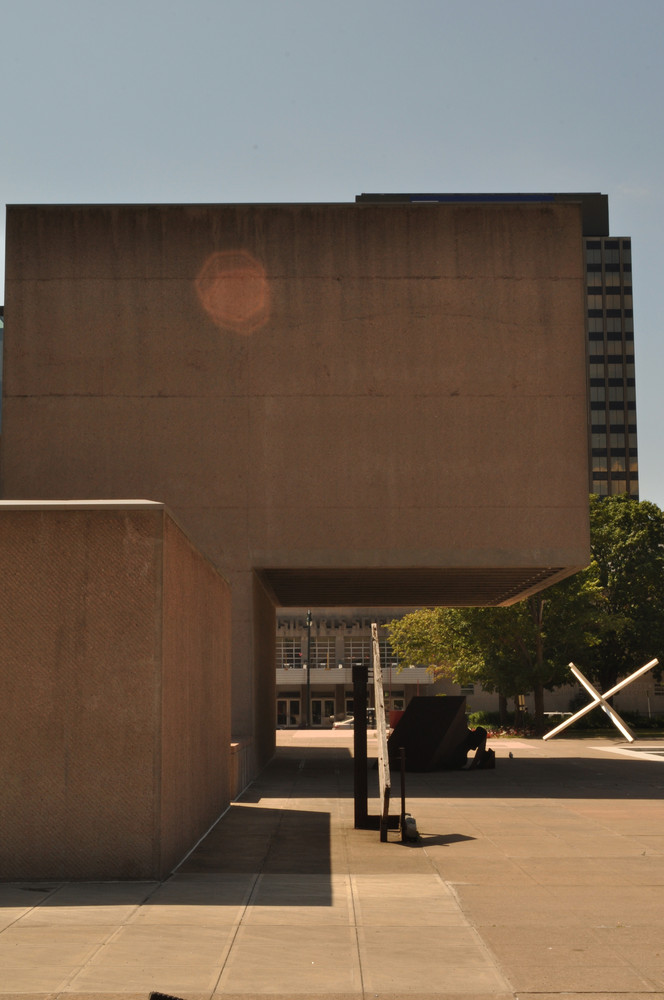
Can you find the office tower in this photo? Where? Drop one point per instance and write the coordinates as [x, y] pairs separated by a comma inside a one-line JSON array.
[[612, 392]]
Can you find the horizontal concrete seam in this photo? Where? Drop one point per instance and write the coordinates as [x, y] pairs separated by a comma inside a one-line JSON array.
[[445, 394], [179, 279]]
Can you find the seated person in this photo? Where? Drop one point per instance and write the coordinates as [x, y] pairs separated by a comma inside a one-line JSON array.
[[476, 741]]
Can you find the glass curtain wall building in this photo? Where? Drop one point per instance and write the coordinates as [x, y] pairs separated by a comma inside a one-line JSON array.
[[612, 386]]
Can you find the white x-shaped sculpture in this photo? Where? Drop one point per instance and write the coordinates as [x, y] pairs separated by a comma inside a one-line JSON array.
[[600, 699]]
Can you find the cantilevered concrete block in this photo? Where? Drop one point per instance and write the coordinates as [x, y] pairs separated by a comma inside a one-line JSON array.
[[344, 405]]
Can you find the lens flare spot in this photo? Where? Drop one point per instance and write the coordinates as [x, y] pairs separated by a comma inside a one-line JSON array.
[[233, 289]]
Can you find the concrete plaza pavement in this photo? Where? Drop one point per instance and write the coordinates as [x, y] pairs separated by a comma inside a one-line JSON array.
[[541, 879]]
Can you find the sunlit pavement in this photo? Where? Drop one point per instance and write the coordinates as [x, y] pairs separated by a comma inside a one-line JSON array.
[[542, 878]]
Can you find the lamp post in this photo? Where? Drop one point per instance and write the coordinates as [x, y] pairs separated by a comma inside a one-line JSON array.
[[360, 779], [307, 714]]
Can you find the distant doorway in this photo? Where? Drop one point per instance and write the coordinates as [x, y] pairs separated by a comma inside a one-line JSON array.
[[322, 711], [289, 713]]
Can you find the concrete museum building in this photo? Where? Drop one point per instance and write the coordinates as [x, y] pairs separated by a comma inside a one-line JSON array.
[[337, 638], [215, 413]]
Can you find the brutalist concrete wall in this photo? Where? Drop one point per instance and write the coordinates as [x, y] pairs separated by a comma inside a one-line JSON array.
[[264, 652], [196, 696], [91, 682], [307, 387]]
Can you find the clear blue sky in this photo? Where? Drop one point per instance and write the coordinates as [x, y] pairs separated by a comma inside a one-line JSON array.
[[305, 100]]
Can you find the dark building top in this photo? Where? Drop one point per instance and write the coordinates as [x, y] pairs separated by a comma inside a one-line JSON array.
[[595, 206]]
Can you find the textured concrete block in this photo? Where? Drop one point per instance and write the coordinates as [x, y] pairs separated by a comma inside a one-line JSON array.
[[115, 682]]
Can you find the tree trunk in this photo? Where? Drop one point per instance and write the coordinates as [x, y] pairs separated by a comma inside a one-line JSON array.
[[518, 717], [502, 710], [538, 693]]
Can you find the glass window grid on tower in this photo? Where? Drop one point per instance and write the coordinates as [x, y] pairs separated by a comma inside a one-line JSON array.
[[611, 376]]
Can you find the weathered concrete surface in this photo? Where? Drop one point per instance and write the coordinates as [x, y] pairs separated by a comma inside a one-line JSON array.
[[364, 404], [115, 687]]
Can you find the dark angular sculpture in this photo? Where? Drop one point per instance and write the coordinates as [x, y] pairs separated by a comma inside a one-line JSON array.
[[435, 735]]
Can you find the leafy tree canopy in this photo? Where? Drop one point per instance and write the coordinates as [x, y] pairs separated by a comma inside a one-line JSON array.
[[609, 617], [627, 570]]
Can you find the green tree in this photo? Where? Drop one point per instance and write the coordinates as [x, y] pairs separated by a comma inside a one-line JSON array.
[[512, 650], [609, 617], [627, 572]]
